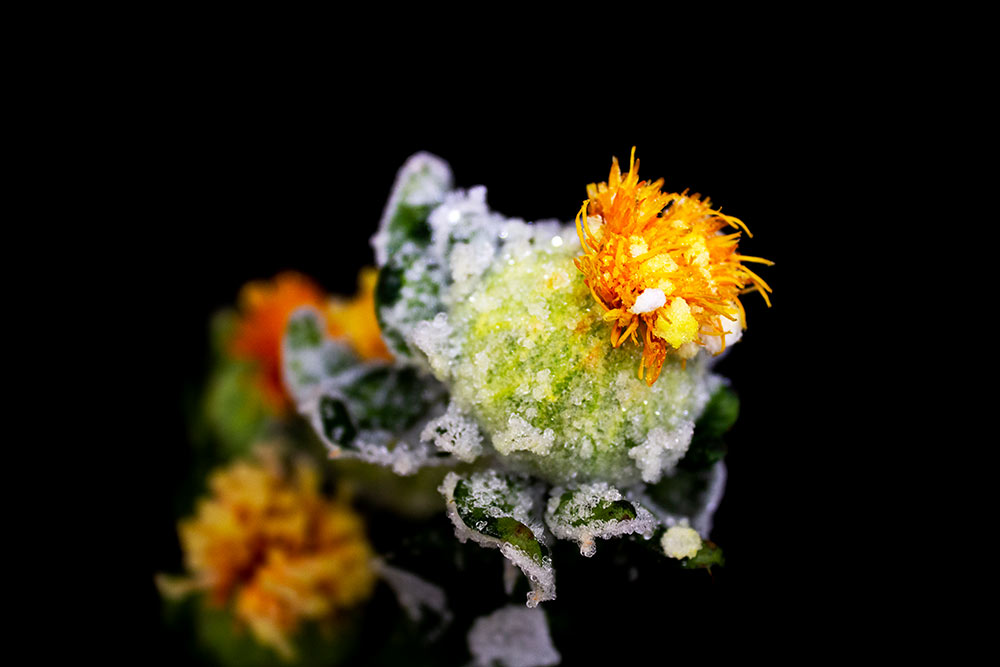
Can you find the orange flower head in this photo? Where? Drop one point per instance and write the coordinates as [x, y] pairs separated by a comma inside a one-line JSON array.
[[265, 307], [269, 540], [661, 267]]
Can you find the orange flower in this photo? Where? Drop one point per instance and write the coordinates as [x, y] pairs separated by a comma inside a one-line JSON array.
[[265, 307], [661, 268], [273, 542]]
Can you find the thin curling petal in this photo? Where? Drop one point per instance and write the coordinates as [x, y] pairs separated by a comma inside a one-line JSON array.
[[673, 243]]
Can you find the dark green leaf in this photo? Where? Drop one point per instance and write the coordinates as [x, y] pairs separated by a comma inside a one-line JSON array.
[[337, 425]]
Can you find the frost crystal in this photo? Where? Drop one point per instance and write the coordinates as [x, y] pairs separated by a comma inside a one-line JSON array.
[[520, 435], [662, 450], [513, 637], [455, 433]]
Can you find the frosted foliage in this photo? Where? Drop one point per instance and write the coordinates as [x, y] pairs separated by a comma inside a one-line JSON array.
[[662, 450], [710, 499], [454, 432], [422, 180], [434, 338], [520, 435], [497, 497], [512, 636], [413, 593], [576, 515]]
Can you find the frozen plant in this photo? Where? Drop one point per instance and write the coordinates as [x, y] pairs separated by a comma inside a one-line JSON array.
[[570, 364]]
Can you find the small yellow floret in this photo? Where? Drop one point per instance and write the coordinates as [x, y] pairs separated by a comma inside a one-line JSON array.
[[354, 319], [681, 542], [636, 238], [675, 323]]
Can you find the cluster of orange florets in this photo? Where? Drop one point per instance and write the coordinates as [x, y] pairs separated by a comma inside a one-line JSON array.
[[273, 543], [668, 249]]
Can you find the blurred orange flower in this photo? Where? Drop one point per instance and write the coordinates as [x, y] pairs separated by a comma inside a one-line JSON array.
[[273, 542]]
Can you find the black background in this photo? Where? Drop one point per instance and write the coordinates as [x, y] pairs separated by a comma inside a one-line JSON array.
[[245, 177]]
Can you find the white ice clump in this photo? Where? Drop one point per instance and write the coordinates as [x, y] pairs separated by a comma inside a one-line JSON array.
[[662, 450], [513, 637], [648, 301], [435, 339], [681, 542], [572, 518], [522, 436], [734, 331], [454, 432]]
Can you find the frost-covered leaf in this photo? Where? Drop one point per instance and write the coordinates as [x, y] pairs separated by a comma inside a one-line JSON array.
[[421, 184], [707, 557], [513, 637], [309, 356], [368, 410], [707, 445], [415, 595], [690, 495], [501, 511], [410, 279], [595, 510]]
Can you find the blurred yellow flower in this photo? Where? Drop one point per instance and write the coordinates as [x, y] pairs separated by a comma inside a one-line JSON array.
[[269, 540], [354, 319]]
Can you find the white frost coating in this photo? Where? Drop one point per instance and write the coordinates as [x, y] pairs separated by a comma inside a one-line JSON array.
[[522, 436], [662, 450], [423, 179], [454, 432], [560, 516], [702, 521], [541, 575], [468, 261], [648, 301], [485, 488], [514, 637], [434, 338], [681, 542], [413, 593], [734, 331]]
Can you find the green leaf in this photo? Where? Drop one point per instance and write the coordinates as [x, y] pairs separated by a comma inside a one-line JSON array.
[[500, 511], [595, 510], [707, 557], [303, 332], [386, 397], [707, 445], [479, 516], [616, 510], [338, 427], [233, 407]]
